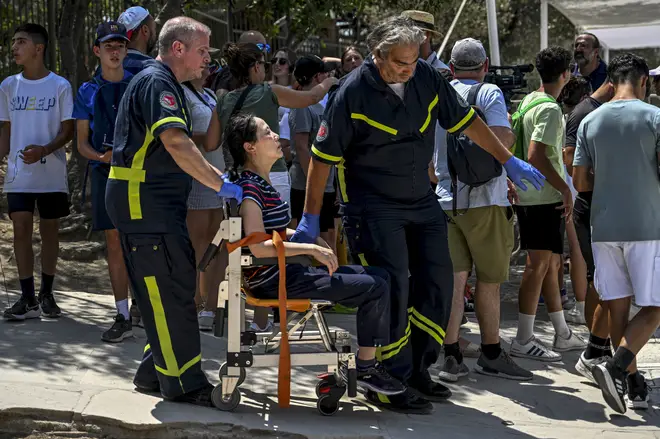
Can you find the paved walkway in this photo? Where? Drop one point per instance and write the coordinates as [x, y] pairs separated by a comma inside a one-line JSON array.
[[60, 371]]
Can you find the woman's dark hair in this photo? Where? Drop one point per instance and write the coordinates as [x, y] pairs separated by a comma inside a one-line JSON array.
[[241, 128], [348, 50], [573, 92], [240, 58]]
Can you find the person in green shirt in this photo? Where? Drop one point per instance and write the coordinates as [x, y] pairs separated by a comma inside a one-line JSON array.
[[542, 213]]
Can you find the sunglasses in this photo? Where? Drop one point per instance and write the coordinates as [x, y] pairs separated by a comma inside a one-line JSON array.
[[280, 61], [214, 66], [263, 47]]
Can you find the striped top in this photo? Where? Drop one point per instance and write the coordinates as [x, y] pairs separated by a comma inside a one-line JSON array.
[[276, 217]]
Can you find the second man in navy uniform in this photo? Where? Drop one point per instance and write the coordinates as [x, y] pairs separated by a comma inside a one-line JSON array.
[[379, 130], [152, 163]]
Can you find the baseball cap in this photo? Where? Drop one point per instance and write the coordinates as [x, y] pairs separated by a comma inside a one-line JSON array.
[[310, 65], [655, 72], [468, 54], [110, 30], [132, 17]]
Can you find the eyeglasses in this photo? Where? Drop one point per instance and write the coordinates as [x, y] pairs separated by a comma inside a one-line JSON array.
[[263, 47], [214, 66], [280, 61]]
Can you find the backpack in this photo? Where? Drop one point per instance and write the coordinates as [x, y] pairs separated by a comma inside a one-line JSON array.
[[517, 125], [104, 115], [466, 160]]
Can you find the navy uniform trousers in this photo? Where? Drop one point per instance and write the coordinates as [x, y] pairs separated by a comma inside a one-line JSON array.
[[161, 269], [410, 242]]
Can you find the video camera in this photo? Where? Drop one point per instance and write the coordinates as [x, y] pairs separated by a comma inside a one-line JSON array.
[[511, 85]]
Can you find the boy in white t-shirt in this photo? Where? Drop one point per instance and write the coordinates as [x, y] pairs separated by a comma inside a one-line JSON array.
[[36, 113]]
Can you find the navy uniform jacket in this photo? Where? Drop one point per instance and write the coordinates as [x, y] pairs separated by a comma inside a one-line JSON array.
[[382, 146], [134, 62], [147, 191]]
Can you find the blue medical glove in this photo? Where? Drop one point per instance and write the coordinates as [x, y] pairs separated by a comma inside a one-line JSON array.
[[519, 170], [230, 190], [308, 229]]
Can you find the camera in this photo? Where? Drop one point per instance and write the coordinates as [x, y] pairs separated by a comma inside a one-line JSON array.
[[511, 84]]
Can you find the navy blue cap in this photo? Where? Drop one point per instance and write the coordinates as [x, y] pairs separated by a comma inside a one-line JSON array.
[[111, 30]]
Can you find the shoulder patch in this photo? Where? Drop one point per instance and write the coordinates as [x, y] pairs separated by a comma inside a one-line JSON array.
[[167, 100], [323, 132]]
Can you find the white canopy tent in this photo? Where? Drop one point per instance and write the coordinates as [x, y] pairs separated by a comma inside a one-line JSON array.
[[618, 24]]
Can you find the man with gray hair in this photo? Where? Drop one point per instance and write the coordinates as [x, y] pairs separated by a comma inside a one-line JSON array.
[[153, 159], [379, 129]]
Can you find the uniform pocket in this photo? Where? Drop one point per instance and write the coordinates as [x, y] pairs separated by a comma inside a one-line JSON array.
[[357, 234], [149, 255]]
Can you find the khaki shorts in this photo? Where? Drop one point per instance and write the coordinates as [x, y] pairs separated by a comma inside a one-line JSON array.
[[482, 237]]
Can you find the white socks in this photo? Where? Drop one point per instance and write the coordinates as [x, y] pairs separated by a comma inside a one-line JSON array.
[[559, 322], [122, 308], [580, 307], [525, 327]]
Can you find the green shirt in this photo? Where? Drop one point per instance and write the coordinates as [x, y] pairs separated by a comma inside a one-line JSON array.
[[545, 124], [261, 102]]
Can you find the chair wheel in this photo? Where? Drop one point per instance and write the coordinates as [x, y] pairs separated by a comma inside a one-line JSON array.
[[222, 404], [322, 388], [223, 373], [327, 405]]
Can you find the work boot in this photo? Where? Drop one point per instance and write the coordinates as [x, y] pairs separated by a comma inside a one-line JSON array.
[[406, 403], [429, 389], [200, 397]]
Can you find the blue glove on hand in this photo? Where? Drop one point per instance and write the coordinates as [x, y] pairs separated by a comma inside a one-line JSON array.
[[231, 190], [519, 170], [308, 229]]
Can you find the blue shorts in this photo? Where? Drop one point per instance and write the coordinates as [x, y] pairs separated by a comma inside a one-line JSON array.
[[99, 179]]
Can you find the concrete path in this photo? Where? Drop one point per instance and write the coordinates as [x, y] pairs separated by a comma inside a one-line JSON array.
[[59, 373]]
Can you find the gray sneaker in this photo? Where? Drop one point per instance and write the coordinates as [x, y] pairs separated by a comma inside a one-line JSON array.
[[502, 367], [452, 371]]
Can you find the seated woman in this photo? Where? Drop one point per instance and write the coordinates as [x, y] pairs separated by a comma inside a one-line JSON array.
[[254, 148]]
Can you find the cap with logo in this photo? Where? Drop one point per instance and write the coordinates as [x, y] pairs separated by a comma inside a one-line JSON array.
[[310, 65], [132, 17], [110, 30], [468, 54], [423, 20]]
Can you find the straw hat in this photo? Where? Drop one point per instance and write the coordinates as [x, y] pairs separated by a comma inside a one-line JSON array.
[[422, 19]]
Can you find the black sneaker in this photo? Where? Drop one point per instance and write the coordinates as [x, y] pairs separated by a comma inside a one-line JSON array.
[[120, 330], [23, 309], [200, 397], [406, 403], [638, 392], [612, 383], [376, 379], [136, 317], [48, 306], [429, 389]]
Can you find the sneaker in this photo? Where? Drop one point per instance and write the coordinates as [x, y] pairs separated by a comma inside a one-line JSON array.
[[575, 316], [585, 366], [136, 317], [573, 343], [376, 379], [48, 306], [23, 309], [428, 389], [612, 383], [638, 392], [205, 320], [406, 403], [533, 350], [200, 397], [502, 367], [452, 370], [567, 302], [120, 330]]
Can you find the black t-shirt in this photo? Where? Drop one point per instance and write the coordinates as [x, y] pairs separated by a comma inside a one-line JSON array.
[[576, 117]]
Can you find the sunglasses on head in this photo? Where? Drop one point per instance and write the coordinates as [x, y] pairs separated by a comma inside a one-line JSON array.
[[263, 47], [280, 61]]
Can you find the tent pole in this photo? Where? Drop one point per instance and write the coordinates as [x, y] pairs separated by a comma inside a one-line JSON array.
[[544, 24], [451, 29], [493, 37]]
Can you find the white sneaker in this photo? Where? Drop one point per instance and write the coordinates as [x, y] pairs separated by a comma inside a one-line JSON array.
[[205, 320], [573, 343], [575, 316], [585, 367], [533, 349]]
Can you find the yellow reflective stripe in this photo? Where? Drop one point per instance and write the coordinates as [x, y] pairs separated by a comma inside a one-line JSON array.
[[463, 121], [190, 364], [427, 326], [386, 352], [172, 368], [383, 398], [373, 123], [428, 322], [165, 120], [363, 260], [324, 156], [146, 348], [134, 205], [433, 103], [341, 170], [127, 174]]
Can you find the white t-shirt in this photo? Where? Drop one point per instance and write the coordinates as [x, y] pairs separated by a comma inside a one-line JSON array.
[[399, 89], [36, 110]]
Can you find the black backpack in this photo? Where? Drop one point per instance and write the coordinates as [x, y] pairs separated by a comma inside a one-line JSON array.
[[468, 162], [104, 116]]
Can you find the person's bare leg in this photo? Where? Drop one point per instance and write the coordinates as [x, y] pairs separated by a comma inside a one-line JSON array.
[[640, 329], [600, 326], [116, 266], [23, 226], [550, 288], [536, 269], [50, 244], [578, 266], [618, 321], [198, 224], [591, 304], [487, 304], [457, 308], [209, 281]]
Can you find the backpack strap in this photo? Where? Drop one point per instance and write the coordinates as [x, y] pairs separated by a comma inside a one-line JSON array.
[[474, 92], [536, 102], [241, 100]]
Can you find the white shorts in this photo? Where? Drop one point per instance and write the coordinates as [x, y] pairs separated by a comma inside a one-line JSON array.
[[626, 269]]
